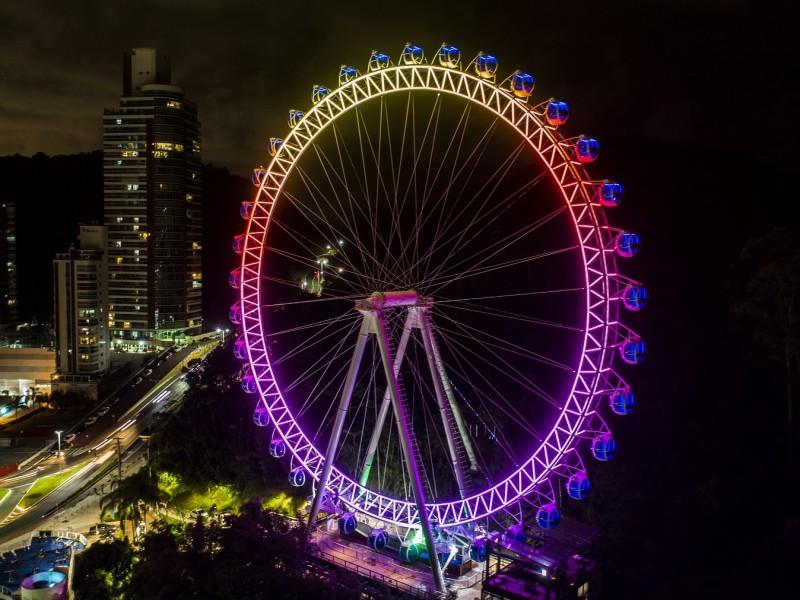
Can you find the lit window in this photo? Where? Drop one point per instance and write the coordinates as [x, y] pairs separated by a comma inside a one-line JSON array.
[[136, 252], [119, 260], [160, 154], [135, 219], [119, 219], [118, 244], [132, 187], [119, 121], [135, 227], [173, 104], [130, 153], [179, 147], [163, 145], [126, 325], [189, 197]]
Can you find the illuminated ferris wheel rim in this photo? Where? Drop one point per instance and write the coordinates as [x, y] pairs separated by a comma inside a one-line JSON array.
[[578, 418]]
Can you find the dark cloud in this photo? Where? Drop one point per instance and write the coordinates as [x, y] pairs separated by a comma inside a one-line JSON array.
[[691, 71]]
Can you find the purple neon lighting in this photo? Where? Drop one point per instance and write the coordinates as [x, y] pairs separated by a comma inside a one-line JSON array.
[[578, 419]]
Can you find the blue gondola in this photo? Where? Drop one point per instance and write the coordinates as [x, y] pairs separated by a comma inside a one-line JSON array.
[[235, 278], [633, 352], [409, 552], [318, 92], [235, 314], [610, 193], [449, 56], [277, 448], [246, 209], [378, 538], [587, 149], [378, 60], [522, 84], [635, 297], [557, 112], [275, 145], [412, 54], [622, 402], [578, 486], [240, 348], [517, 532], [297, 477], [347, 73], [478, 550], [547, 517], [261, 416], [486, 65], [347, 523], [258, 176], [604, 447], [295, 116], [249, 383], [628, 244], [238, 243]]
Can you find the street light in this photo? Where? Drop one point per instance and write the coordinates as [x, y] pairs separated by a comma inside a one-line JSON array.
[[58, 433], [223, 332]]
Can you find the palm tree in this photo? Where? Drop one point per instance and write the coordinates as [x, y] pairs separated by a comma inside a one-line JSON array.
[[131, 499]]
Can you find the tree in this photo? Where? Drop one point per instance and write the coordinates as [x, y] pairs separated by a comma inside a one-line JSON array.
[[132, 497], [768, 299], [102, 571]]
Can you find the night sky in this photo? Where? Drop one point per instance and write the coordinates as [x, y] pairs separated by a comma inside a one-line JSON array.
[[710, 73], [696, 103]]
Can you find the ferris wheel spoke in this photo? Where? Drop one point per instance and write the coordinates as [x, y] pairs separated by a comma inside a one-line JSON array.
[[469, 165], [315, 339], [338, 351], [472, 333], [478, 213], [445, 300], [475, 271], [337, 319], [505, 314], [440, 202], [321, 215], [379, 185], [350, 234], [490, 217], [457, 349], [351, 267], [303, 241], [518, 376]]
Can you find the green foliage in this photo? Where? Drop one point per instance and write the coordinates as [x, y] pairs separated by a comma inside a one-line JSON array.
[[211, 446], [132, 498], [102, 571]]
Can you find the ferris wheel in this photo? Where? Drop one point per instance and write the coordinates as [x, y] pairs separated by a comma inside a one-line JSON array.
[[430, 302]]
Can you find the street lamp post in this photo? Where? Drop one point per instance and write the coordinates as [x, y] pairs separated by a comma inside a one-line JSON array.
[[58, 433], [223, 332]]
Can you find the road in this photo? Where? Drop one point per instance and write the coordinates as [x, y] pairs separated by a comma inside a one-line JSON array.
[[95, 449]]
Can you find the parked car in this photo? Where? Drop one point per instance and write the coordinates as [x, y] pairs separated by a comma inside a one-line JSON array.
[[71, 438], [137, 381], [148, 371], [103, 411], [91, 421]]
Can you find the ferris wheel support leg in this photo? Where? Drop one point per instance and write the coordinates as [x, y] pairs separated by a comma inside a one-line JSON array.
[[408, 450], [451, 400], [344, 405], [386, 403], [441, 401]]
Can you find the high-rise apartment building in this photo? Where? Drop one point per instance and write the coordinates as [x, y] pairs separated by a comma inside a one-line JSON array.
[[8, 265], [80, 278], [152, 207]]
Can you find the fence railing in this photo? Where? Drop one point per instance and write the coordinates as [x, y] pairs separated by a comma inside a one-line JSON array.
[[360, 569]]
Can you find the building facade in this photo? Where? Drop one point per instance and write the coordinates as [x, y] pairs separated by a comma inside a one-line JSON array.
[[80, 276], [152, 208], [8, 265]]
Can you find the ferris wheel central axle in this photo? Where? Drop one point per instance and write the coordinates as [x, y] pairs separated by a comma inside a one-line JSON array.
[[381, 300]]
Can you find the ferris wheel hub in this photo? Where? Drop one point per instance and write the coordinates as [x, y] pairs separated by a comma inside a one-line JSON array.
[[391, 299]]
